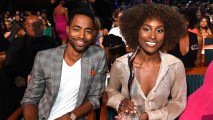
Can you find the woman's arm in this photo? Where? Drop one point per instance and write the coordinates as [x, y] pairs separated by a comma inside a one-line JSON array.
[[209, 32], [113, 89], [66, 13], [198, 60]]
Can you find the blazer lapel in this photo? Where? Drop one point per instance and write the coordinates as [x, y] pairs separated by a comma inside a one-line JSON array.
[[56, 69], [86, 66]]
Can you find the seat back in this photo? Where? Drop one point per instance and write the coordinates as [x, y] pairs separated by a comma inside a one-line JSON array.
[[193, 83], [208, 57], [208, 41], [194, 78]]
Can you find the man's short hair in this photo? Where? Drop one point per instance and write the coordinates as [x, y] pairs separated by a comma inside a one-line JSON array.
[[81, 11]]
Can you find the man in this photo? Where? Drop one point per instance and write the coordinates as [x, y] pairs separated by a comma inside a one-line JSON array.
[[116, 30], [21, 53], [67, 81]]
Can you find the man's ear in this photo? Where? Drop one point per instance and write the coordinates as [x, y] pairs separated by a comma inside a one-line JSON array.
[[67, 30]]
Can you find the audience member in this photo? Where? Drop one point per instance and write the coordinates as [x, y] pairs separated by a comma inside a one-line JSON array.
[[60, 15], [47, 30], [16, 30], [114, 47], [189, 47], [3, 27], [8, 24], [4, 45], [203, 27], [199, 105], [70, 83], [21, 54], [116, 30], [101, 32], [149, 83], [115, 16], [53, 4]]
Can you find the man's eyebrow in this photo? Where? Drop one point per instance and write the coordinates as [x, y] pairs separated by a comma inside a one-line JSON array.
[[88, 28]]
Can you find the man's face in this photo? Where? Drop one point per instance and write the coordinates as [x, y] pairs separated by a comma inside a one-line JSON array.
[[28, 25], [8, 25], [17, 18], [80, 32], [116, 20]]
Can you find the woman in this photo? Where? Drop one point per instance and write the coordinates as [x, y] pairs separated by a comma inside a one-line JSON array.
[[47, 30], [60, 16], [189, 47], [148, 79], [203, 27]]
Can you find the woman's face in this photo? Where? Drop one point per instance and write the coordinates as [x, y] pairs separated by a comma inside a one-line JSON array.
[[151, 35], [203, 22], [44, 22]]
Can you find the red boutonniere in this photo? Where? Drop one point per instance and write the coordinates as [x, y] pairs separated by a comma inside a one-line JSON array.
[[92, 73]]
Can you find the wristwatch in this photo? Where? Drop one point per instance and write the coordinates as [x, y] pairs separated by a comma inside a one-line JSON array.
[[72, 116]]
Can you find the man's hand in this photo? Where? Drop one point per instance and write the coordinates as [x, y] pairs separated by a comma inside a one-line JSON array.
[[64, 117]]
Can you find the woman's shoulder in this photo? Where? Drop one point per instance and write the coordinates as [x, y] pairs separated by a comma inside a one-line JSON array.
[[123, 59], [209, 31], [169, 59]]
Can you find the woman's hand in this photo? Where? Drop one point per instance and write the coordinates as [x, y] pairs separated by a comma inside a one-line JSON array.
[[126, 106], [144, 116], [125, 109]]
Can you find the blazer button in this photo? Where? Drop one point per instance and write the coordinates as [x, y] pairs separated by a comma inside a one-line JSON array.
[[43, 118]]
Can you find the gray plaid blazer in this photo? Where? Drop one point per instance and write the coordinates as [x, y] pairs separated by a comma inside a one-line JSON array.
[[45, 80]]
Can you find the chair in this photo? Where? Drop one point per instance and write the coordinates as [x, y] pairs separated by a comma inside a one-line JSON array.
[[16, 115], [208, 57], [103, 113], [107, 113], [193, 83], [194, 78], [2, 59], [208, 41], [209, 36]]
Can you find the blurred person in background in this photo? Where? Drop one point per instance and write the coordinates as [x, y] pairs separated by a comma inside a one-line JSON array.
[[203, 26], [21, 53], [60, 16], [47, 30], [189, 47], [114, 48], [8, 24]]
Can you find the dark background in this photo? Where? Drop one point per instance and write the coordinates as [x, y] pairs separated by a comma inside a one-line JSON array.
[[13, 5], [33, 5]]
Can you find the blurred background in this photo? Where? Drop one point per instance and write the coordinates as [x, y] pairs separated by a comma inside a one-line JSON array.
[[13, 5]]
